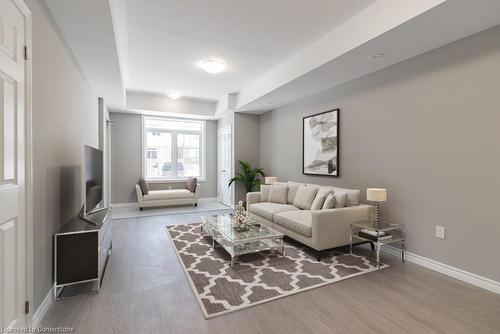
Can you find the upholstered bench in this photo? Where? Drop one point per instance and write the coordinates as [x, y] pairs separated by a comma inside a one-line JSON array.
[[170, 197]]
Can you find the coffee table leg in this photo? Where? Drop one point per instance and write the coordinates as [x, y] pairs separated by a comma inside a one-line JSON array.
[[232, 261]]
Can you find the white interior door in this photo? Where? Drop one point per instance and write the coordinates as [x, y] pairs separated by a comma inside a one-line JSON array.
[[12, 167], [224, 156]]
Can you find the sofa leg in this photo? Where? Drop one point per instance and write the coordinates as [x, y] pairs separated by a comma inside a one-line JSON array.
[[195, 205], [372, 245], [140, 209], [318, 256]]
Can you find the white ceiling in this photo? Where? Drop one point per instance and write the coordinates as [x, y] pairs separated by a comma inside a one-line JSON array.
[[277, 51], [167, 38]]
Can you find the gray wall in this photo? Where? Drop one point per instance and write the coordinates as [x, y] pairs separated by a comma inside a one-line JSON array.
[[428, 130], [126, 153], [246, 145], [65, 117]]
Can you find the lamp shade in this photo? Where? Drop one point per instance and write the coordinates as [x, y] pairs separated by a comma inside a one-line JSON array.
[[270, 179], [376, 194]]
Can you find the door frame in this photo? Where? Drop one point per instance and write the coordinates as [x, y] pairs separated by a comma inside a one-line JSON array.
[[231, 162], [28, 142]]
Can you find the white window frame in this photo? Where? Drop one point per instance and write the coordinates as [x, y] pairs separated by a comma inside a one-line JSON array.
[[203, 141]]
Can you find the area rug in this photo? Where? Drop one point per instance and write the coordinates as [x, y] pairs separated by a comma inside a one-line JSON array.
[[255, 278]]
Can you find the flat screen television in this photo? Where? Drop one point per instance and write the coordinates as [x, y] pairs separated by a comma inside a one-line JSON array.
[[93, 178]]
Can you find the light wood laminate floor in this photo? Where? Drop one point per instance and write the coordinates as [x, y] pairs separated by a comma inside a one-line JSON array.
[[145, 291]]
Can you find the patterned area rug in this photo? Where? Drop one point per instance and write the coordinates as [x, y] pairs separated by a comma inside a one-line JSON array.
[[255, 278]]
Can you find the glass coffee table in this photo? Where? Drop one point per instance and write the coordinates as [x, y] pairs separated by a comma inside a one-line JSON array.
[[258, 238]]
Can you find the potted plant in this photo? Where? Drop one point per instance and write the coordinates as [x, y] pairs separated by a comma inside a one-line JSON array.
[[249, 177]]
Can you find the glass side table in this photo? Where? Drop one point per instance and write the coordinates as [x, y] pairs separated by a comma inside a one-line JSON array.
[[394, 230]]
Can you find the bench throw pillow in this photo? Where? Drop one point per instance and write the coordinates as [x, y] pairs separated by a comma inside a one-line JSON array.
[[320, 198], [340, 199], [144, 186], [278, 194], [191, 184], [264, 192], [329, 202], [305, 197]]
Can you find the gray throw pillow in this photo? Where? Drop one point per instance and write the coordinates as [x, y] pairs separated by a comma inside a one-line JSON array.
[[340, 199], [191, 184], [305, 197], [144, 186], [329, 202], [277, 194], [264, 192], [317, 204], [292, 191]]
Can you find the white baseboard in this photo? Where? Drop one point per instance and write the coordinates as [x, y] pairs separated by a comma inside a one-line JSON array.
[[124, 205], [41, 311], [447, 270]]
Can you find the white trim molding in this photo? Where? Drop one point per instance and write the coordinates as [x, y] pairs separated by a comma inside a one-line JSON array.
[[124, 205], [462, 275], [42, 310]]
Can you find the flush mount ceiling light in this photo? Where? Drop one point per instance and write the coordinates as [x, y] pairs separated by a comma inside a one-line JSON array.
[[174, 95], [213, 66], [376, 56]]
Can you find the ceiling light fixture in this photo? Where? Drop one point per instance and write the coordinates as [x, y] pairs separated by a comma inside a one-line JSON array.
[[213, 66], [174, 95], [376, 56]]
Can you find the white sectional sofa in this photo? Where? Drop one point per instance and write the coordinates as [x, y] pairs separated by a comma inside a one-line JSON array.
[[303, 214], [155, 198]]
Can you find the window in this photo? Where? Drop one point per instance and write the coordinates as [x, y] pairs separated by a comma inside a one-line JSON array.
[[173, 148]]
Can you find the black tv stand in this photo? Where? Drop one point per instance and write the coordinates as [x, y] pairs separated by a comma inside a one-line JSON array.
[[81, 251]]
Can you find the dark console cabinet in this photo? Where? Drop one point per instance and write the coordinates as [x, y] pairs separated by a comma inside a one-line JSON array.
[[81, 252]]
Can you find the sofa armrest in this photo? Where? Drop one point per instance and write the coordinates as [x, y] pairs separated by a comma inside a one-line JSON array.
[[253, 197], [138, 191], [197, 193], [332, 227]]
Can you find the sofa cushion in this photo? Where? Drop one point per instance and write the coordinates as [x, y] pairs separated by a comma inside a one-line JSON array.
[[143, 184], [298, 221], [267, 209], [340, 199], [353, 195], [292, 191], [278, 194], [305, 197], [264, 192], [155, 195], [329, 202], [191, 184], [320, 198]]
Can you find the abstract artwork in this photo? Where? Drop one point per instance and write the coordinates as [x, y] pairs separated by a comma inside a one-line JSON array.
[[321, 144]]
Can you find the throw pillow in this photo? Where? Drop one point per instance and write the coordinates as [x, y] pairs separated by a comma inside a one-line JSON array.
[[317, 204], [340, 199], [292, 191], [191, 184], [329, 202], [277, 194], [144, 186], [264, 192], [305, 196]]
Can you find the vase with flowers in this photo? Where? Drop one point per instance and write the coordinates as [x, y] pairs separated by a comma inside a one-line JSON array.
[[241, 219]]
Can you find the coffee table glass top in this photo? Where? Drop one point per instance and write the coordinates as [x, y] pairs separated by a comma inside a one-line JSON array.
[[224, 225]]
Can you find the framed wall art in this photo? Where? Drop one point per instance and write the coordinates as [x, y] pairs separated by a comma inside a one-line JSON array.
[[320, 144]]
